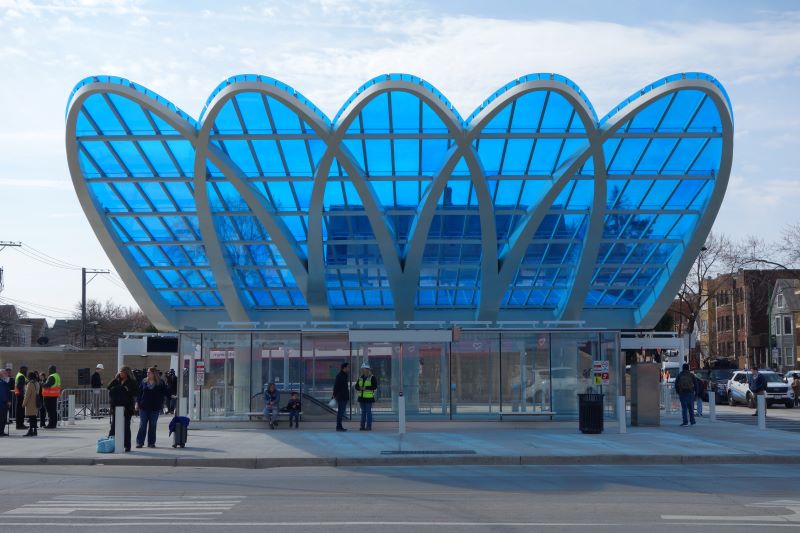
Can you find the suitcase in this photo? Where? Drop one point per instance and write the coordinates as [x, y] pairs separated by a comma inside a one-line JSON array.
[[180, 435]]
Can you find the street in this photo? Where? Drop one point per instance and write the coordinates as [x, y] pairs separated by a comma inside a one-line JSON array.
[[566, 498]]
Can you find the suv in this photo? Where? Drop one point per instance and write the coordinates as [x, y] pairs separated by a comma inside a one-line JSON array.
[[778, 391], [716, 381]]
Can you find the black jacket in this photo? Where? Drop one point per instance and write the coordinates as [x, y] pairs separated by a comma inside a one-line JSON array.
[[123, 394], [341, 389], [151, 398], [97, 381]]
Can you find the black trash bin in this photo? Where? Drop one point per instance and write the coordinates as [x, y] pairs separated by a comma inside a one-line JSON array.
[[590, 413]]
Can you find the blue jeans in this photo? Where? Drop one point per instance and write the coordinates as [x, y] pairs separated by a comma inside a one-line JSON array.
[[147, 425], [366, 415], [687, 409], [699, 404], [341, 408]]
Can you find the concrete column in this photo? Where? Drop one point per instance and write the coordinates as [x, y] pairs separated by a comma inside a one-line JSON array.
[[119, 429]]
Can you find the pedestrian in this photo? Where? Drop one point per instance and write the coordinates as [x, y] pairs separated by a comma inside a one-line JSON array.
[[686, 387], [122, 392], [701, 389], [758, 386], [40, 378], [97, 379], [294, 408], [51, 390], [366, 386], [341, 393], [20, 380], [149, 403], [796, 389], [5, 401], [29, 403], [272, 398], [172, 390]]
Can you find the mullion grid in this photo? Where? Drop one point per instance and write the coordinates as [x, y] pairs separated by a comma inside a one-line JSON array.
[[564, 267]]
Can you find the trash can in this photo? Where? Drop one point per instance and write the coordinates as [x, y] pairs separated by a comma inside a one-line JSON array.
[[590, 413]]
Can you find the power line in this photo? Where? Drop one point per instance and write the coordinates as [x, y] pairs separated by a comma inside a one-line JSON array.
[[34, 304], [31, 248], [44, 261]]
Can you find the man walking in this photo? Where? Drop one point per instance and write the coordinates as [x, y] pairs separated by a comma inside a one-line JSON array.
[[51, 390], [5, 402], [686, 387], [366, 386], [20, 381], [758, 386], [701, 390], [341, 393]]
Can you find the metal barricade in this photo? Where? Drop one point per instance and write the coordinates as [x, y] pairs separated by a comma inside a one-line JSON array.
[[89, 403]]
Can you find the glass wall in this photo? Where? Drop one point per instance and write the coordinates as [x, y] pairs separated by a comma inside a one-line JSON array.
[[480, 374]]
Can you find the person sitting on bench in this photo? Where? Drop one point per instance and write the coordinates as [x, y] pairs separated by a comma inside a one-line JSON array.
[[293, 408], [271, 405]]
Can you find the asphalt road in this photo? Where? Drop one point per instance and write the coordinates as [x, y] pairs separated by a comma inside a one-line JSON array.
[[572, 498], [778, 416]]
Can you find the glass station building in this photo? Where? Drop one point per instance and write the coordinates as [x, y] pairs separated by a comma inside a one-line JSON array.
[[481, 265]]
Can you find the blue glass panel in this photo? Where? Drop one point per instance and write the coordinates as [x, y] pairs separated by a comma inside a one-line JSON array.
[[703, 196], [356, 149], [707, 118], [490, 152], [684, 227], [528, 111], [545, 154], [283, 119], [655, 156], [515, 162], [683, 107], [132, 115], [379, 157], [83, 126], [582, 195], [375, 115], [303, 191], [132, 229], [184, 155], [157, 196], [239, 152], [131, 158], [659, 193], [102, 115], [648, 118], [683, 156], [156, 229], [708, 161], [407, 193], [269, 158], [171, 298], [102, 156], [106, 198], [154, 255], [161, 125], [296, 155], [500, 122], [211, 299], [405, 112], [627, 156], [570, 149], [532, 192], [253, 112], [182, 194], [130, 193], [557, 114], [431, 123], [159, 158], [155, 279], [226, 121], [335, 298], [684, 194], [406, 157], [433, 153]]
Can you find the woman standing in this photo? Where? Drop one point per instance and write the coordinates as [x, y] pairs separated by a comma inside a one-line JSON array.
[[122, 393], [29, 403], [149, 403]]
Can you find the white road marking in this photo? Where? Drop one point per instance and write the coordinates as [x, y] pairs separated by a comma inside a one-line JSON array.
[[791, 505], [94, 507]]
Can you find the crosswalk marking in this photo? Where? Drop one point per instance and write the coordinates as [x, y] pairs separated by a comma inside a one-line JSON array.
[[94, 506]]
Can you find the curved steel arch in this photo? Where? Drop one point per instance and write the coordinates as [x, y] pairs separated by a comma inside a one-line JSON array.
[[651, 315], [493, 288], [151, 302]]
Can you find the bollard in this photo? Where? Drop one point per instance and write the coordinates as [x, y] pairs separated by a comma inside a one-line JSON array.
[[401, 415], [761, 405], [622, 416], [712, 406], [71, 407], [119, 429]]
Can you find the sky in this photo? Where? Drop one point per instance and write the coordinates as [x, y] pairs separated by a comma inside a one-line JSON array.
[[327, 48]]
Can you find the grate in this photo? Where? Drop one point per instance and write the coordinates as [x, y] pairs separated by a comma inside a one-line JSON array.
[[428, 452]]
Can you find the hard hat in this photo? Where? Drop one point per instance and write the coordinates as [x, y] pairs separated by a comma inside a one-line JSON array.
[[365, 365], [100, 366]]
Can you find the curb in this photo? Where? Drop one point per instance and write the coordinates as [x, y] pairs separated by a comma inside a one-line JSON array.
[[344, 462]]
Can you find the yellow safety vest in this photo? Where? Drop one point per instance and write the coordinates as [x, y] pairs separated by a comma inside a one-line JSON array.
[[363, 393], [55, 390], [18, 392]]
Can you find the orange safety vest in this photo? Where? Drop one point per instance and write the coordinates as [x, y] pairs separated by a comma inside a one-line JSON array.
[[55, 390]]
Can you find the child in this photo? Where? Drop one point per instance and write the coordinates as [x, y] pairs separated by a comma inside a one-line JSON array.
[[293, 407]]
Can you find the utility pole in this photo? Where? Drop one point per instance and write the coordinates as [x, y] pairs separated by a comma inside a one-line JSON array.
[[85, 271], [3, 246]]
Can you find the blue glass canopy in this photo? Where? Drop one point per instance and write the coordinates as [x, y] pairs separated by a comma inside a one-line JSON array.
[[399, 209]]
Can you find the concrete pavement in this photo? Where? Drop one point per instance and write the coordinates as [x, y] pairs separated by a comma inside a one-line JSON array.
[[425, 443]]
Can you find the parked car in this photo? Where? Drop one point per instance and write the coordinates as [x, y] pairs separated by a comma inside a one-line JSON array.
[[563, 378], [789, 377], [716, 382], [778, 391]]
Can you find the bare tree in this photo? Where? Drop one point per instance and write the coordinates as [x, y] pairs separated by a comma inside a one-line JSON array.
[[105, 323]]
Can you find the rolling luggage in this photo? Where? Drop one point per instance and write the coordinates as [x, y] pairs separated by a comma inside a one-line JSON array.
[[180, 435]]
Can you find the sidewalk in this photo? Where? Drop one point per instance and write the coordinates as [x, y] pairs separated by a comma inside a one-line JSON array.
[[425, 443]]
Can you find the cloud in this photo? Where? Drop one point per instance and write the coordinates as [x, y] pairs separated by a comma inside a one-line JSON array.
[[61, 185]]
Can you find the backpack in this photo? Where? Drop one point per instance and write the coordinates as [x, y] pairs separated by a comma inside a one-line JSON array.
[[685, 382]]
